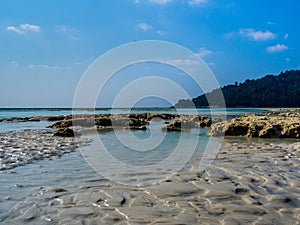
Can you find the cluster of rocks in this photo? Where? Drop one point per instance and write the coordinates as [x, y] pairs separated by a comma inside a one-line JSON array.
[[271, 125], [77, 124], [24, 147], [83, 123], [186, 122], [282, 125], [33, 119]]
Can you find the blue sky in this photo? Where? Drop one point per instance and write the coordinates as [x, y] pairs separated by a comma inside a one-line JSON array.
[[47, 45]]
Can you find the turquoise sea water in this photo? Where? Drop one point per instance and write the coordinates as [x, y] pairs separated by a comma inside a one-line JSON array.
[[128, 157], [15, 112], [134, 148], [10, 113]]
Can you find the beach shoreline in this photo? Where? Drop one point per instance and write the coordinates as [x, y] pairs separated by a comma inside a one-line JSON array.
[[251, 181]]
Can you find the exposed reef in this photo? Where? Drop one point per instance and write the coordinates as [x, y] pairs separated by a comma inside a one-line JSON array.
[[271, 125], [281, 125], [81, 123]]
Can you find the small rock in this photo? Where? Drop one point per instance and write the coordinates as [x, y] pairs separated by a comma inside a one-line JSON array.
[[241, 190]]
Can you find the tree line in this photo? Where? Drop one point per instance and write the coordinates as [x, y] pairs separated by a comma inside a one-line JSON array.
[[282, 90]]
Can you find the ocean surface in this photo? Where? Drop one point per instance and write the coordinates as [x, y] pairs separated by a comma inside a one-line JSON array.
[[13, 112], [126, 157]]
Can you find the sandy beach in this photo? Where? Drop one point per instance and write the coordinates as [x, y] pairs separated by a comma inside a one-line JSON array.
[[252, 181], [149, 112]]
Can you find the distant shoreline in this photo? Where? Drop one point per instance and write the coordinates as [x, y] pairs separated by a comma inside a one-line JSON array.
[[79, 109], [142, 108]]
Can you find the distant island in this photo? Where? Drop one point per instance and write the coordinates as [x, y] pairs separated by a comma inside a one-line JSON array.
[[282, 90]]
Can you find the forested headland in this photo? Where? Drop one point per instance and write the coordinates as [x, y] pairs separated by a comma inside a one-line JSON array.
[[282, 90]]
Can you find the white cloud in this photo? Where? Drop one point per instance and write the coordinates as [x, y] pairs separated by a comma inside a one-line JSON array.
[[30, 27], [161, 2], [277, 48], [286, 36], [23, 28], [196, 2], [270, 23], [144, 26], [14, 29], [41, 66], [203, 52], [161, 33], [257, 35]]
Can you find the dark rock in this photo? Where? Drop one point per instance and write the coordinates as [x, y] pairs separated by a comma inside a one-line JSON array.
[[175, 125], [64, 132], [123, 201], [137, 123], [241, 190], [103, 122], [138, 128], [163, 116], [204, 121], [58, 190], [54, 118], [237, 129], [186, 122], [61, 124]]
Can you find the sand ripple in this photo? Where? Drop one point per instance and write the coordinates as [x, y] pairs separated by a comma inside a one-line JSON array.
[[24, 147], [248, 183]]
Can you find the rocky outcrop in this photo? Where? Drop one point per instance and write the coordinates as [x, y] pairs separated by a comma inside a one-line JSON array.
[[65, 132], [140, 121], [25, 119], [68, 126], [71, 126], [283, 125], [185, 122], [33, 119], [54, 118]]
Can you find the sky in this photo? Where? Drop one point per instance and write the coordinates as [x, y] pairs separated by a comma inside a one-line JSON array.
[[46, 46]]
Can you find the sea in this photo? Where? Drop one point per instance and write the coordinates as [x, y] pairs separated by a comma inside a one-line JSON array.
[[133, 158], [30, 112]]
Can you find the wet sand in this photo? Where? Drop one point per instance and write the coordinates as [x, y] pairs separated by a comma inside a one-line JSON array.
[[250, 182], [25, 147]]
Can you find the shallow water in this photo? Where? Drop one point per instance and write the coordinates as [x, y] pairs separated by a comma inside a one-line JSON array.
[[9, 113], [20, 187], [68, 191], [26, 188], [23, 188], [149, 152]]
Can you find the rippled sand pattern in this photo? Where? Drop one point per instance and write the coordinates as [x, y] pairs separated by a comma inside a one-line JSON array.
[[248, 183], [29, 146]]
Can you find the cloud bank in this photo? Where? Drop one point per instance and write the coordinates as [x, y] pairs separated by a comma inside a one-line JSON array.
[[254, 35], [23, 28], [277, 48]]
